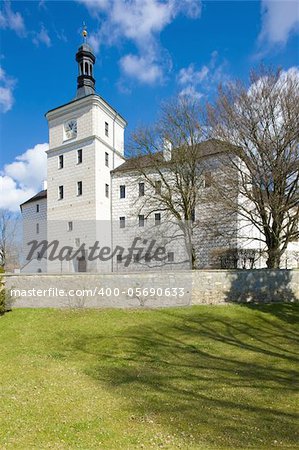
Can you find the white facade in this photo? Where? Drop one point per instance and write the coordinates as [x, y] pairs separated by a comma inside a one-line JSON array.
[[34, 228], [87, 158], [132, 220]]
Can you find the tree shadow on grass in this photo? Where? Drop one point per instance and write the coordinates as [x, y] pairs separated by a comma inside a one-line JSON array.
[[225, 381], [263, 286], [269, 291]]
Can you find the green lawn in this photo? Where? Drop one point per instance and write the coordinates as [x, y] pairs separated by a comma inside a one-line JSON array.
[[194, 378]]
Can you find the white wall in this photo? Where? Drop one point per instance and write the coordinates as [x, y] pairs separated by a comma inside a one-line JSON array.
[[30, 219]]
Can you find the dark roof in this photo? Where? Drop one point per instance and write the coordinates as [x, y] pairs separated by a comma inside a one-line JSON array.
[[206, 148], [39, 196]]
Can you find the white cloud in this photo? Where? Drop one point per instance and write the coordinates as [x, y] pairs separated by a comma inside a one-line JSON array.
[[42, 37], [61, 35], [190, 91], [143, 69], [189, 75], [141, 22], [23, 178], [280, 18], [7, 85], [198, 82], [12, 20]]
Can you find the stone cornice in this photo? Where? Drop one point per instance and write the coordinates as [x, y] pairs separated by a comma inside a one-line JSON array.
[[89, 100], [75, 144]]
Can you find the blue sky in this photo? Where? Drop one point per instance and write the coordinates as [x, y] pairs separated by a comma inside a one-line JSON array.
[[147, 51]]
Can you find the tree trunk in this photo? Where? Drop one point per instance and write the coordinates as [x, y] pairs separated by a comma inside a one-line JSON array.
[[273, 261], [190, 247], [193, 256]]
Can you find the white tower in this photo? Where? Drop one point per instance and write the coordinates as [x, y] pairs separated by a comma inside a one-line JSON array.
[[86, 142]]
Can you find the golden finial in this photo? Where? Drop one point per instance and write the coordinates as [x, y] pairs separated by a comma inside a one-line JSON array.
[[84, 32]]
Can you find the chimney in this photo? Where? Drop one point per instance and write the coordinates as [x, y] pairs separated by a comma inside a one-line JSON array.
[[45, 184], [167, 149]]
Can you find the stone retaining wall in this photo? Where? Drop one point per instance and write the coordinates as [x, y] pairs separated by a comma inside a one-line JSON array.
[[152, 289]]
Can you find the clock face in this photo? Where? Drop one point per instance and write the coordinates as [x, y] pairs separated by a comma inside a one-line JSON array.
[[70, 129]]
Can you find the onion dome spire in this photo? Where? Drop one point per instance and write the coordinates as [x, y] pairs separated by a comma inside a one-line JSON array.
[[85, 59]]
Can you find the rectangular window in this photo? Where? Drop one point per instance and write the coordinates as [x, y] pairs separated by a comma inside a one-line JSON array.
[[106, 129], [208, 179], [141, 220], [157, 218], [122, 222], [79, 156], [60, 192], [141, 189], [170, 256], [158, 186], [79, 188], [37, 228], [60, 161], [119, 258], [107, 190], [70, 226], [106, 159], [122, 191], [37, 208]]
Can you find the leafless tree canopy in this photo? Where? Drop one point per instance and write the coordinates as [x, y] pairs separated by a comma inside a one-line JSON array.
[[166, 158], [257, 128], [9, 252], [263, 122]]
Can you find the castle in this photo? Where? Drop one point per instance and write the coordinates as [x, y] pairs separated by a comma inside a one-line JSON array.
[[89, 204]]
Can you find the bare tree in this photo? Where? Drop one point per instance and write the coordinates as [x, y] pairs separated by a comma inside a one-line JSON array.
[[8, 238], [173, 177], [262, 121]]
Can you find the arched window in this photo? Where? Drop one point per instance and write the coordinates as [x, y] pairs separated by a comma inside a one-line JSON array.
[[90, 69], [86, 68]]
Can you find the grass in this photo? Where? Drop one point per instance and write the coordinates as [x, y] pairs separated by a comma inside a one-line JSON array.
[[197, 378]]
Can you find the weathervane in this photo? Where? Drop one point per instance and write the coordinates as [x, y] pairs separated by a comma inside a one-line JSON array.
[[84, 32]]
